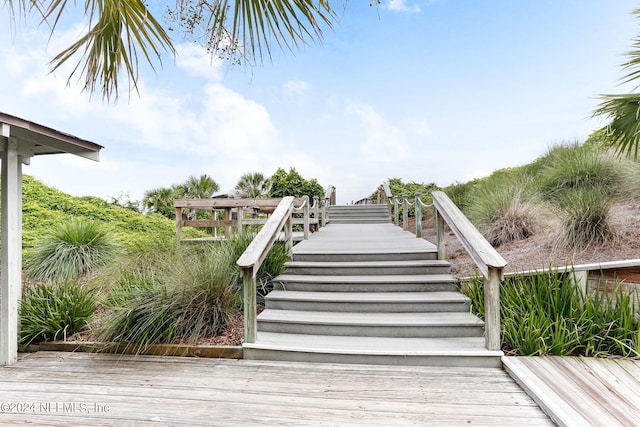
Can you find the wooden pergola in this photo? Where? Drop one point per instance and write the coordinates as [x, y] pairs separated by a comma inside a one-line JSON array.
[[19, 141]]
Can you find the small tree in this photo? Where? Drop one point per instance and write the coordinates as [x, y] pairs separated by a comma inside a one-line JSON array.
[[160, 200], [253, 184], [291, 183]]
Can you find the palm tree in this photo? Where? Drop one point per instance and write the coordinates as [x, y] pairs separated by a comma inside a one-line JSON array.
[[622, 133], [253, 184], [202, 187], [120, 32], [160, 200]]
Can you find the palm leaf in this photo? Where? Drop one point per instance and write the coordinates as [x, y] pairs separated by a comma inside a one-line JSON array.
[[119, 30], [622, 134]]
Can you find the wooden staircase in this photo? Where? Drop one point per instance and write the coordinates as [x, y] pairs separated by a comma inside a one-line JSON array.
[[362, 290]]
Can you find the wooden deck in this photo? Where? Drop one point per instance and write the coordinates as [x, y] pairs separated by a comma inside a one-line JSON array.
[[54, 388], [576, 391]]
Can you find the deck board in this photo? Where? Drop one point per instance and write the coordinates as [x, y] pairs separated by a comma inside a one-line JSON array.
[[576, 391], [160, 390]]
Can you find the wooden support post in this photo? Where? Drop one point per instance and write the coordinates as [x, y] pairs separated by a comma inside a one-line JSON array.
[[418, 216], [250, 314], [305, 214], [316, 201], [288, 234], [396, 214], [492, 309], [179, 224], [581, 281], [239, 216], [440, 242], [405, 212], [227, 228], [11, 273]]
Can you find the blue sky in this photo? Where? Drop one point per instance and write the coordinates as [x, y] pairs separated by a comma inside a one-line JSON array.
[[424, 90]]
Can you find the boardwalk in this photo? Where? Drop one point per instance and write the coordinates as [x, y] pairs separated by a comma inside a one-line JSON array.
[[60, 389], [581, 391]]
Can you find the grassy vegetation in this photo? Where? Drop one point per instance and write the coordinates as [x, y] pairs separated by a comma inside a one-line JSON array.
[[185, 293], [73, 248], [85, 253], [44, 208], [55, 310], [575, 184], [548, 313]]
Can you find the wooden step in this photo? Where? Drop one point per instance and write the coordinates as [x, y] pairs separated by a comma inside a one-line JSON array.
[[414, 325], [389, 302], [387, 283], [364, 268], [461, 351]]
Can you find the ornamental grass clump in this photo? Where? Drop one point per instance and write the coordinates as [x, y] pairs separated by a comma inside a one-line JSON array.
[[505, 211], [547, 313], [55, 310], [585, 218], [74, 248], [185, 294]]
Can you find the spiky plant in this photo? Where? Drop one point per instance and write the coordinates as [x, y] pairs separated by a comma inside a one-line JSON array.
[[51, 311], [76, 247]]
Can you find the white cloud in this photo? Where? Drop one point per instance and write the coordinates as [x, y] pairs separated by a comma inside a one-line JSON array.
[[402, 6], [383, 142], [295, 87], [198, 62]]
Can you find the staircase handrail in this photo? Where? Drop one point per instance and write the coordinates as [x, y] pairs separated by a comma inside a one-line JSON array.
[[486, 258], [252, 258]]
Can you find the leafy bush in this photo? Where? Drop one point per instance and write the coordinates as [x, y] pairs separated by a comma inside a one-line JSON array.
[[547, 313], [51, 311], [72, 249]]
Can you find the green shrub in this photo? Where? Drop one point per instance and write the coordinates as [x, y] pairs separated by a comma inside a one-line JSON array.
[[186, 293], [574, 166], [547, 313], [51, 311], [504, 210], [72, 249], [585, 218]]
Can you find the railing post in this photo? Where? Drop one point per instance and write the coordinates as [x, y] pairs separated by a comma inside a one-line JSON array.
[[405, 212], [250, 314], [396, 214], [442, 251], [179, 224], [227, 218], [239, 216], [492, 308], [316, 202], [288, 233], [418, 216], [305, 213]]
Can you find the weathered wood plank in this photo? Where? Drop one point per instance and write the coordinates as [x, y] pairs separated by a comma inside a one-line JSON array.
[[186, 391], [581, 391]]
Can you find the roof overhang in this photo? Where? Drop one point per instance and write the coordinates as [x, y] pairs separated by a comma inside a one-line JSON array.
[[35, 139]]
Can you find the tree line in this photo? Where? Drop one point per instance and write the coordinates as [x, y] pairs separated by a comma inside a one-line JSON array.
[[253, 184]]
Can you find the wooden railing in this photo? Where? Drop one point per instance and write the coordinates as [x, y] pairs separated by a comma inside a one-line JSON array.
[[281, 220], [252, 258], [486, 258], [239, 213]]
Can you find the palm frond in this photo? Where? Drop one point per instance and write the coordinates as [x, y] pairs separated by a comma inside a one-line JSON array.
[[622, 133]]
